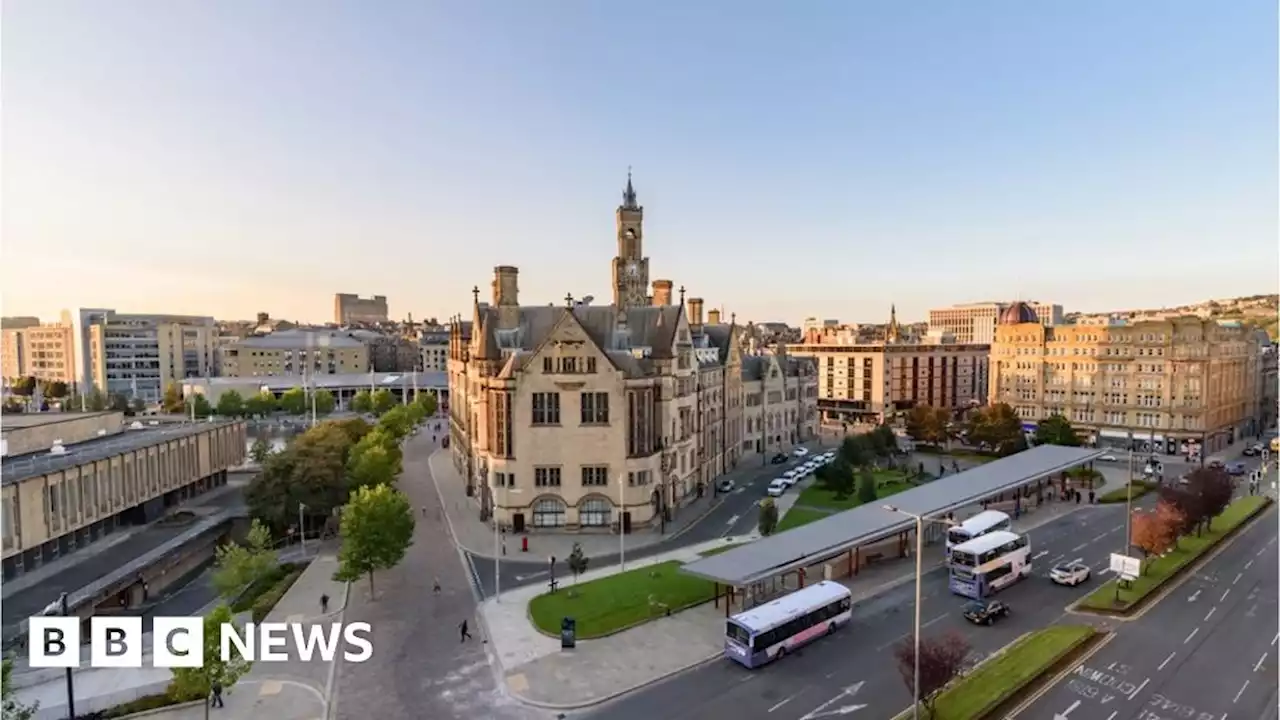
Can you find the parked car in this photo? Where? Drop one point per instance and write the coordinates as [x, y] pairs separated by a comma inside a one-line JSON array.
[[987, 612], [1070, 574], [779, 459], [1216, 464], [1252, 451], [1235, 468], [800, 452], [725, 485], [777, 487], [1108, 458]]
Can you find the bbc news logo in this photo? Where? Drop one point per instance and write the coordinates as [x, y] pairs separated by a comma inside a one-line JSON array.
[[179, 642]]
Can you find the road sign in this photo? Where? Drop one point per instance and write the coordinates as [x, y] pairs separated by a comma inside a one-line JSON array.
[[1125, 566]]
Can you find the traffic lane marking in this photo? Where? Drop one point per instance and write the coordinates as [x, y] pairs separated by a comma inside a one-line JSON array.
[[1167, 660], [1240, 692]]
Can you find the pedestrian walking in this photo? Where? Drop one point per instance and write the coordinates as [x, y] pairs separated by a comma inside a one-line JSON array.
[[466, 635], [215, 695], [1091, 498], [324, 604], [1077, 497], [424, 511], [435, 588]]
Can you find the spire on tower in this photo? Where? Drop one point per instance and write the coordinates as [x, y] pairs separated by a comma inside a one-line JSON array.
[[629, 195]]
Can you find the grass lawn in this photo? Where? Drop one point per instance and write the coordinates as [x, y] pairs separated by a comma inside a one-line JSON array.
[[1137, 488], [798, 516], [609, 604], [997, 680], [888, 482], [1157, 570], [718, 550]]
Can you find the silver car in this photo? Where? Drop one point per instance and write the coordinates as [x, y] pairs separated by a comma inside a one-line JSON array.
[[1071, 574]]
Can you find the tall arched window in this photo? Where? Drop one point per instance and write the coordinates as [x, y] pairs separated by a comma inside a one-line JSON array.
[[595, 512], [548, 512]]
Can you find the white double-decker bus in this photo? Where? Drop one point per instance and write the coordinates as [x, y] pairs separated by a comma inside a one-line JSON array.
[[990, 563], [975, 527], [766, 633]]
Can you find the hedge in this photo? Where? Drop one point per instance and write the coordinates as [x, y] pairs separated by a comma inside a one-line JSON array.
[[259, 587], [1139, 488], [263, 605]]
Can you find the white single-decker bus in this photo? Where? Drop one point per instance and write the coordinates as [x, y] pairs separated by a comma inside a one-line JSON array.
[[990, 563], [975, 527], [766, 633]]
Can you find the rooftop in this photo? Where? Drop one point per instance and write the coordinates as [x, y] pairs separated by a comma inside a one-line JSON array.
[[20, 467], [290, 339], [431, 379], [18, 421], [773, 555]]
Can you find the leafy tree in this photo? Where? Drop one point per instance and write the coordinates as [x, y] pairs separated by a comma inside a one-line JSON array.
[[856, 451], [837, 478], [294, 401], [927, 424], [230, 404], [375, 460], [362, 402], [354, 428], [377, 529], [264, 403], [1155, 532], [397, 422], [311, 470], [324, 402], [1056, 430], [883, 440], [577, 561], [137, 405], [427, 402], [236, 565], [23, 386], [415, 413], [11, 709], [866, 488], [942, 659], [55, 389], [260, 450], [383, 400], [173, 402], [1213, 487], [11, 406], [197, 682], [1188, 504], [999, 428], [768, 521], [199, 406]]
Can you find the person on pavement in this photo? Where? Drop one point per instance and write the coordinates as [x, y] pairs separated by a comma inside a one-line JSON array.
[[215, 695], [324, 604], [463, 629]]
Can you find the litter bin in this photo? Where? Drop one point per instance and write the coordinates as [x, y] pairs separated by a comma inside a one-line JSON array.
[[568, 633]]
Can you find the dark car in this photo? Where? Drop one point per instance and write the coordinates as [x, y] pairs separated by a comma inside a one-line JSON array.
[[1235, 468], [985, 613], [779, 458]]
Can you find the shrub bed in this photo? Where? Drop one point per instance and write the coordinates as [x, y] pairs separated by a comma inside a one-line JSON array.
[[265, 602], [245, 601], [145, 703]]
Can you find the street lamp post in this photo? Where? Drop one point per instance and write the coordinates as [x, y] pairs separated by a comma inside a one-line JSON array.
[[622, 530], [302, 529]]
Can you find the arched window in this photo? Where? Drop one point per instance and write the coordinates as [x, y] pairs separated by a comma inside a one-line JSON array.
[[548, 512], [595, 512]]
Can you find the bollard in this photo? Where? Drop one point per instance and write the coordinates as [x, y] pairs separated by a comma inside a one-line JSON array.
[[524, 543]]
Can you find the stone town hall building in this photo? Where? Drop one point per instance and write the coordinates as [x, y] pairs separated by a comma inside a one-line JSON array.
[[579, 416]]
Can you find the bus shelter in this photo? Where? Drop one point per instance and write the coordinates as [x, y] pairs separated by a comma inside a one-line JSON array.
[[843, 542]]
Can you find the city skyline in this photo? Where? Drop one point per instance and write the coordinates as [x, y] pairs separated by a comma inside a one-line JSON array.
[[1008, 153]]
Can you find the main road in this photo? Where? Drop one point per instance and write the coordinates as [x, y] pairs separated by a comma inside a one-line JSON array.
[[855, 668], [1207, 651]]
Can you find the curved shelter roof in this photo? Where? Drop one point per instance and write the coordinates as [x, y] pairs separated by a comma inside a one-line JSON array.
[[817, 541]]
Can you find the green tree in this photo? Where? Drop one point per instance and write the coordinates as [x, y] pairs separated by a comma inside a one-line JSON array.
[[324, 402], [397, 422], [197, 682], [375, 460], [577, 562], [294, 401], [354, 428], [768, 521], [856, 451], [11, 708], [999, 428], [55, 389], [867, 488], [1056, 430], [118, 402], [362, 402], [199, 406], [427, 402], [310, 471], [96, 401], [173, 402], [137, 405], [264, 403], [237, 565], [377, 529], [230, 404], [260, 450], [383, 400], [836, 478]]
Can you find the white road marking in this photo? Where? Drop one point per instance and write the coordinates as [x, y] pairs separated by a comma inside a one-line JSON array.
[[732, 520], [784, 702], [1134, 694], [1246, 565], [821, 710], [1260, 661], [1040, 554], [540, 573], [1238, 576], [1099, 537], [1224, 594], [1054, 560], [1194, 596], [1193, 634], [1166, 661], [1276, 638], [1079, 547], [1242, 687], [1113, 714], [1067, 712], [1077, 560], [1210, 614], [943, 616]]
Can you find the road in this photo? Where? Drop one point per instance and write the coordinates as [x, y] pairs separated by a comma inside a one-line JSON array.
[[855, 667], [1208, 651]]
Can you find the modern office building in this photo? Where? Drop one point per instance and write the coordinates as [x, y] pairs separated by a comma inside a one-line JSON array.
[[976, 322], [295, 352], [869, 382], [1161, 385], [43, 351], [72, 478], [349, 309], [584, 416], [139, 355], [434, 346]]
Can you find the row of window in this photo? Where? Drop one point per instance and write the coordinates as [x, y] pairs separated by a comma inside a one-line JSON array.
[[568, 365], [591, 476], [593, 408]]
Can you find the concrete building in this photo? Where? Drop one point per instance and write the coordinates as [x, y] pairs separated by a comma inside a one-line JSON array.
[[976, 322], [868, 382], [1161, 385], [581, 416], [72, 478], [351, 309], [1268, 382], [390, 352], [139, 355], [343, 387], [43, 351], [295, 352], [434, 347]]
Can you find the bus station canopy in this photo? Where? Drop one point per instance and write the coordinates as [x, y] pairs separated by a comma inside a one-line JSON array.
[[771, 556]]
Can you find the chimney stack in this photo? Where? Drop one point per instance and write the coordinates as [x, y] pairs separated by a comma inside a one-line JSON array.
[[661, 293], [695, 312], [506, 286], [713, 317]]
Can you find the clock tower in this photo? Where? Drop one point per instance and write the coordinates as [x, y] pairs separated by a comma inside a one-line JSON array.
[[630, 267]]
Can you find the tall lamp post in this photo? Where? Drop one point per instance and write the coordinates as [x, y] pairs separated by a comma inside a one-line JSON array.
[[59, 608], [920, 521]]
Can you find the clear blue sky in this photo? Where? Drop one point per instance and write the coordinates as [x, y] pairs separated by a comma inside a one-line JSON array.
[[817, 158]]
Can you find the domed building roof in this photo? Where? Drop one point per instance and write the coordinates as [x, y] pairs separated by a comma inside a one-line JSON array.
[[1017, 314]]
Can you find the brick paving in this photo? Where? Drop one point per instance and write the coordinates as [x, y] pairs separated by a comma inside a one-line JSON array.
[[419, 668]]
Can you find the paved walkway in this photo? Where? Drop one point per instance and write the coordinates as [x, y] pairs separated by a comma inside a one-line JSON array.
[[476, 536], [538, 672]]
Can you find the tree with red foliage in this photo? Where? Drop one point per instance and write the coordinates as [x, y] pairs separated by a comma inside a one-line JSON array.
[[1188, 503], [942, 659], [1213, 487], [1155, 532]]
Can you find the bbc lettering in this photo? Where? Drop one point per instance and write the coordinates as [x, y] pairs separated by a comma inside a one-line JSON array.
[[179, 642]]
